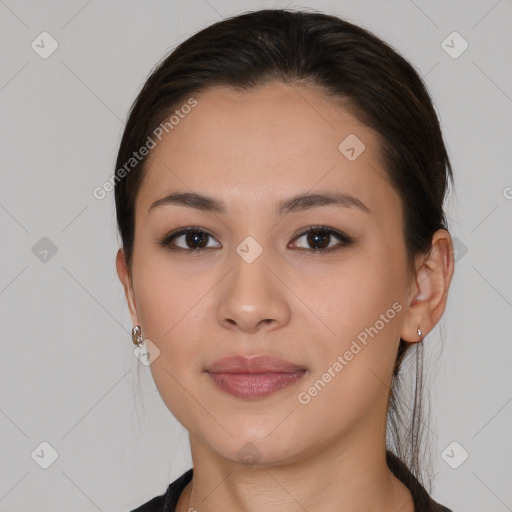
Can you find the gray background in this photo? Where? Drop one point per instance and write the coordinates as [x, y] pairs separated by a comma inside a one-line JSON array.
[[67, 372]]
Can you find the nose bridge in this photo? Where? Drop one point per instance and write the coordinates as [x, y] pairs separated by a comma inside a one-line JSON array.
[[253, 296]]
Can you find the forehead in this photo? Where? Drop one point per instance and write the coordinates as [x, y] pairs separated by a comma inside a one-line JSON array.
[[273, 140]]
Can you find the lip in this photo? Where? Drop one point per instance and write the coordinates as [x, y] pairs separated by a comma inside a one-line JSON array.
[[258, 364], [253, 378]]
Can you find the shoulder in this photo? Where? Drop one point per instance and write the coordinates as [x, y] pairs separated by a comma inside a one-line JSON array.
[[167, 502], [423, 502], [153, 505]]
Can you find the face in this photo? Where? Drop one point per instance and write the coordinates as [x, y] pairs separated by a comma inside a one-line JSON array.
[[249, 280]]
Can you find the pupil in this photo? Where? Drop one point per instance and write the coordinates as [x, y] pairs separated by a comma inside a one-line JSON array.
[[196, 238], [318, 240]]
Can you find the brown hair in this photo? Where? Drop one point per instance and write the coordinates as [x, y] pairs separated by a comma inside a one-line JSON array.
[[352, 66]]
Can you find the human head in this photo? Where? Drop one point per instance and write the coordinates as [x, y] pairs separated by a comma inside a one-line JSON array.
[[351, 67]]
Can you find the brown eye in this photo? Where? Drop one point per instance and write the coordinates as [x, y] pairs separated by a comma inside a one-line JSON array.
[[196, 240], [190, 239], [321, 238]]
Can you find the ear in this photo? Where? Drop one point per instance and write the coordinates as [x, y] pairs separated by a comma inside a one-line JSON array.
[[428, 297], [126, 281]]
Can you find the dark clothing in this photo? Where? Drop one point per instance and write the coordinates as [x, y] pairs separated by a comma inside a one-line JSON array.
[[167, 502]]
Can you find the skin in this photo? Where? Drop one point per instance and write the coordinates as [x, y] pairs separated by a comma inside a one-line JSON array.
[[252, 150]]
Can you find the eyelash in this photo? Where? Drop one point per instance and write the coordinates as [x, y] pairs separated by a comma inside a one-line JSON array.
[[344, 239]]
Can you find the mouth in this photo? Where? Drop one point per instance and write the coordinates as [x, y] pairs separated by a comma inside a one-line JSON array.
[[253, 378]]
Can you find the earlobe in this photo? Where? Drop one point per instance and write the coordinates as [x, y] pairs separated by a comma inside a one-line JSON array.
[[434, 272], [126, 281]]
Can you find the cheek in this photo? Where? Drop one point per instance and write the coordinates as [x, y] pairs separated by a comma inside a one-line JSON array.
[[160, 292], [171, 309], [355, 349], [351, 297], [361, 309], [170, 313]]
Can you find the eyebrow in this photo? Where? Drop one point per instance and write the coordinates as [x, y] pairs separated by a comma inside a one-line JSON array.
[[296, 203]]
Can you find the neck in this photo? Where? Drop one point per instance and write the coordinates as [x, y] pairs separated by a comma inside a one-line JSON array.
[[340, 477]]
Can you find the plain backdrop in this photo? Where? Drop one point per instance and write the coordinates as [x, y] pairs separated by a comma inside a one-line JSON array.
[[68, 377]]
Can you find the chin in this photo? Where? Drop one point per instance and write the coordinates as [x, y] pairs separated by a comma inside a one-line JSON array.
[[252, 446]]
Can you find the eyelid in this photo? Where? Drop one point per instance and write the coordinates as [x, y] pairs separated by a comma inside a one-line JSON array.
[[343, 238], [169, 237]]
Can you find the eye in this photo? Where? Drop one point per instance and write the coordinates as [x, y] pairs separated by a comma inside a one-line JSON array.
[[194, 238], [320, 237]]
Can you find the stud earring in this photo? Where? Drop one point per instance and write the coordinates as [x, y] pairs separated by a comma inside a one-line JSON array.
[[419, 332], [137, 337]]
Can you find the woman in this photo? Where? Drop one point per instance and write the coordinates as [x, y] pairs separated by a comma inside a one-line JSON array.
[[279, 195]]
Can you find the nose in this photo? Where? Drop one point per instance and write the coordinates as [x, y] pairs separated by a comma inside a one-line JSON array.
[[253, 297]]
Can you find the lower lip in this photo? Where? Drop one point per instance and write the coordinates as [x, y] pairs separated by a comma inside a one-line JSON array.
[[254, 385]]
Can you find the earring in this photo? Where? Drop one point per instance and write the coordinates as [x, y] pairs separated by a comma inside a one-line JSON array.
[[419, 332], [137, 337]]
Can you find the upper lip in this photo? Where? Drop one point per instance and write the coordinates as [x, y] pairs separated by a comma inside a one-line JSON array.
[[259, 364]]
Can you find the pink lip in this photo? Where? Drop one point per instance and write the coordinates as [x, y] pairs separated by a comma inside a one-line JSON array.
[[253, 378]]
